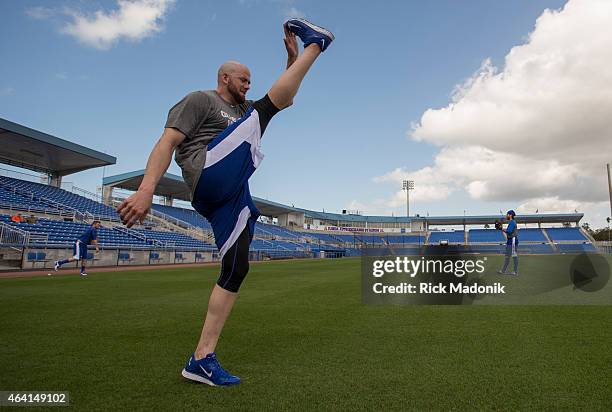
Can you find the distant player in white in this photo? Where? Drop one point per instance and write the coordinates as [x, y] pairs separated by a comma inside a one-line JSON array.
[[79, 249]]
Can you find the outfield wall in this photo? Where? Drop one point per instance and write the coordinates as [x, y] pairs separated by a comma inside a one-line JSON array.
[[44, 258]]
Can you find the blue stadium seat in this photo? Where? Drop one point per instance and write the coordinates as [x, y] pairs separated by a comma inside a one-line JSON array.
[[456, 236], [485, 236], [566, 234], [531, 235]]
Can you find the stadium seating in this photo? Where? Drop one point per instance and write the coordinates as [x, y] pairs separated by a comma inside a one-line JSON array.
[[485, 236], [411, 239], [373, 240], [350, 239], [13, 200], [456, 236], [186, 215], [56, 232], [323, 237], [273, 240], [275, 231], [45, 197], [173, 239], [531, 235], [576, 247], [535, 248], [565, 234]]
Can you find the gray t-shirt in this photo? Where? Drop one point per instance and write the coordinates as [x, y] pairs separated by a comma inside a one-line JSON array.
[[200, 116]]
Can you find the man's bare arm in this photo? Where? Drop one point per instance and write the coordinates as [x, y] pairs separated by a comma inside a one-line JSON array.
[[136, 207]]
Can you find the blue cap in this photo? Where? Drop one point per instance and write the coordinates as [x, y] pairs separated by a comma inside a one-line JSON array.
[[511, 212]]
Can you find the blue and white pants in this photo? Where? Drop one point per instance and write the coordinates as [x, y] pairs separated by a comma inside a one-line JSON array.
[[222, 194]]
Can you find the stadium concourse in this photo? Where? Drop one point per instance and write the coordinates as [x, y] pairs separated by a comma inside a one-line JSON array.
[[53, 217]]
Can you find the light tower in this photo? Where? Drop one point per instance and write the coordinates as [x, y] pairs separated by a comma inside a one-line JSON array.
[[408, 185]]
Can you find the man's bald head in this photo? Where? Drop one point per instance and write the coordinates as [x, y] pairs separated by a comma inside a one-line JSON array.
[[233, 81], [232, 67]]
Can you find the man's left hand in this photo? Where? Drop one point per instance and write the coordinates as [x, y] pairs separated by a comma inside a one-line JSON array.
[[291, 45]]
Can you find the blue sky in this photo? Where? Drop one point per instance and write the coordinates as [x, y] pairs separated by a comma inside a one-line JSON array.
[[350, 123]]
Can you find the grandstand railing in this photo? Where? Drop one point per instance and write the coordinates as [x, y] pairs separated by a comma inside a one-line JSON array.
[[35, 209], [21, 175], [155, 216], [172, 219], [78, 215], [82, 192], [38, 238], [12, 236], [138, 235], [189, 229]]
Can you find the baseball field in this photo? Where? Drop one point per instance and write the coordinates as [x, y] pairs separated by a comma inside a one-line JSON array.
[[300, 339]]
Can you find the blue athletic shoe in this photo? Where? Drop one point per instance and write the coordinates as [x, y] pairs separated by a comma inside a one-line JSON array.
[[208, 370], [310, 33]]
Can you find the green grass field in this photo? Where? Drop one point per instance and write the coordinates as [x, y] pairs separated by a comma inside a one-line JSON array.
[[300, 339]]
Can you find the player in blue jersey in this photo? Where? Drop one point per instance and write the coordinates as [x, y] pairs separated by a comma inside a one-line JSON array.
[[79, 249], [512, 242], [216, 136]]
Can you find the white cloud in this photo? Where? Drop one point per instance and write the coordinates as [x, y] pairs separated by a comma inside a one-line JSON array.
[[293, 12], [429, 187], [536, 131], [133, 20], [550, 205]]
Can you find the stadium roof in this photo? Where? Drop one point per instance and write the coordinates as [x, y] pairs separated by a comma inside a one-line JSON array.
[[34, 150], [169, 184], [269, 208], [446, 220], [174, 186]]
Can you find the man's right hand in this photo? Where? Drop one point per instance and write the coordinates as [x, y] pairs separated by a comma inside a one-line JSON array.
[[135, 208]]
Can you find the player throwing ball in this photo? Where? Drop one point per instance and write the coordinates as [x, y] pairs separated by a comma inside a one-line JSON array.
[[217, 136], [90, 236]]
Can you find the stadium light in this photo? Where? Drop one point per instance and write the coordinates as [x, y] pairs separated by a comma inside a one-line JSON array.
[[408, 185], [609, 186]]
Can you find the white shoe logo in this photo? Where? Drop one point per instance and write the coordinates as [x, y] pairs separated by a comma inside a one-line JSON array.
[[322, 44], [293, 25], [205, 371]]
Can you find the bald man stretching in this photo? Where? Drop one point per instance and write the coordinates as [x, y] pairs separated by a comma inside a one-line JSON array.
[[216, 135]]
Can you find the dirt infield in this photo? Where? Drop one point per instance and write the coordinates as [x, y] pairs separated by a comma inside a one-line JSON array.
[[76, 271]]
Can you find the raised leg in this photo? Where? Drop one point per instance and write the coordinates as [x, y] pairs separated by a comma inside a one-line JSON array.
[[288, 84]]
